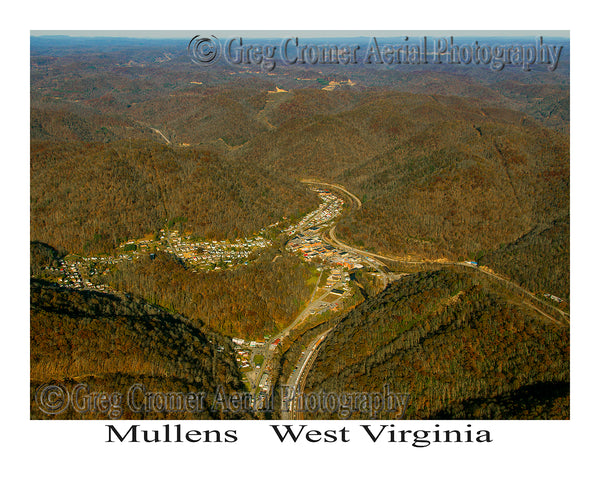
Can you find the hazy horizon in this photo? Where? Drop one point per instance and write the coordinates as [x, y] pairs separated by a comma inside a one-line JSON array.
[[186, 34]]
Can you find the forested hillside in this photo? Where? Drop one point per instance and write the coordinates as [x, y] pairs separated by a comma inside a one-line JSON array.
[[539, 260], [448, 162], [248, 301], [129, 137], [112, 342], [90, 197], [439, 177], [460, 347]]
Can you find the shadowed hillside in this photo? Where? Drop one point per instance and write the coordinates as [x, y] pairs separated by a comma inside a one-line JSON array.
[[460, 348], [112, 343]]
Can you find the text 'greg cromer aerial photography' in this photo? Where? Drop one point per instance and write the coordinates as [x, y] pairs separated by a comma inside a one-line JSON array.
[[248, 225]]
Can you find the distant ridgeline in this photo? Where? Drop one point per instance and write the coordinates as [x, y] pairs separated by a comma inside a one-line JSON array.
[[448, 162]]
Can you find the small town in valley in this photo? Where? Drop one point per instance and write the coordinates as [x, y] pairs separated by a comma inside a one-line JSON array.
[[304, 239], [205, 255]]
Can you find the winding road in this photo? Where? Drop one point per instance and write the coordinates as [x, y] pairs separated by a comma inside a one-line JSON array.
[[297, 380], [331, 237]]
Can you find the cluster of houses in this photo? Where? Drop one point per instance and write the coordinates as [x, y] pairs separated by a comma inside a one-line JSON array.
[[242, 357], [244, 351], [307, 239], [222, 254], [330, 207], [216, 254], [68, 274], [211, 253]]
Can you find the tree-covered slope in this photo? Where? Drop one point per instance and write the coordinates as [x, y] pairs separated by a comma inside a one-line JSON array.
[[111, 343], [458, 345]]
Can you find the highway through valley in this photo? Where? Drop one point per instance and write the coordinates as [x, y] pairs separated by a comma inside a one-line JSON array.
[[296, 380]]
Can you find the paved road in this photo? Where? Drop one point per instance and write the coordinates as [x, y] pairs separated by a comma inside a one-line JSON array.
[[156, 130], [336, 187], [368, 258], [297, 379], [314, 303], [332, 237]]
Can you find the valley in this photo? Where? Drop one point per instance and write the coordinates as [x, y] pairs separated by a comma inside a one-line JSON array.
[[333, 234]]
